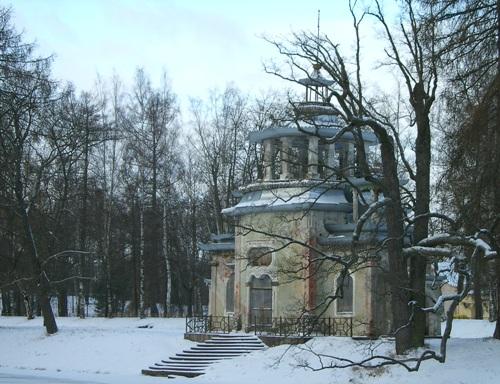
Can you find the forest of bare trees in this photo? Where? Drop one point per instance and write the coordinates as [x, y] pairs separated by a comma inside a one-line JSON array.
[[106, 194]]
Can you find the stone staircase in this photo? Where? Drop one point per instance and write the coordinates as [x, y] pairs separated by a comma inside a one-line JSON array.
[[192, 362]]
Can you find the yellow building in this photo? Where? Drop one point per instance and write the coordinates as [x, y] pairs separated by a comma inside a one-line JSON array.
[[294, 230]]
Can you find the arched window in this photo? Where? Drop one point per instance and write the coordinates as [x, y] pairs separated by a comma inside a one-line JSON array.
[[345, 304], [230, 294]]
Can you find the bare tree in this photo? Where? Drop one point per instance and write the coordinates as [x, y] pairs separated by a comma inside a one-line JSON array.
[[469, 42], [221, 127], [25, 95], [358, 113], [152, 130]]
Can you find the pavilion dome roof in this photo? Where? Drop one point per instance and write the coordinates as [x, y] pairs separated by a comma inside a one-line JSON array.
[[316, 79], [323, 128]]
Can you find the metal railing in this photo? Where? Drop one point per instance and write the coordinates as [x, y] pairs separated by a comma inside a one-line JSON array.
[[303, 326], [276, 326], [210, 324]]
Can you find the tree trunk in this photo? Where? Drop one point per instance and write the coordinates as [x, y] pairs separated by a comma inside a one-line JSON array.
[[43, 283], [28, 305], [496, 334], [190, 301], [418, 264], [217, 205], [49, 320], [135, 255], [168, 271], [142, 313], [83, 225], [397, 278], [6, 303], [477, 289], [496, 138], [62, 302]]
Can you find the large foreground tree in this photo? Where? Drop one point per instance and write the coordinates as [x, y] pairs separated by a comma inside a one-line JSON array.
[[412, 49]]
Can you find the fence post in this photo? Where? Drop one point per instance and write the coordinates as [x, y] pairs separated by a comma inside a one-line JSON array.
[[228, 325], [281, 328], [350, 325], [186, 330]]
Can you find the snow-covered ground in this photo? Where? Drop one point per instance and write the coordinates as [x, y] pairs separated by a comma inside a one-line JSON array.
[[97, 350]]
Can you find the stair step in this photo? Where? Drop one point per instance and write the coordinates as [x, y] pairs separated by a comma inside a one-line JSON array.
[[152, 372], [234, 338], [222, 350], [228, 350], [187, 362], [178, 369], [229, 342], [194, 361], [194, 358], [229, 346], [249, 346], [169, 373], [204, 357], [175, 364], [205, 354]]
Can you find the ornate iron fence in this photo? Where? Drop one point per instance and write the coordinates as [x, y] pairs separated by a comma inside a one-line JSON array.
[[210, 324], [304, 326], [276, 326]]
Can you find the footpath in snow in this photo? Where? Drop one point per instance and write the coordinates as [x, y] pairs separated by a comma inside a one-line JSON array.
[[112, 351]]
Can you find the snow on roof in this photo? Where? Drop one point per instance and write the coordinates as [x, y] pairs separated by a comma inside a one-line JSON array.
[[306, 130], [290, 199], [216, 247]]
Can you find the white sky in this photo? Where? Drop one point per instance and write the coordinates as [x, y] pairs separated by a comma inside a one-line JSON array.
[[201, 44]]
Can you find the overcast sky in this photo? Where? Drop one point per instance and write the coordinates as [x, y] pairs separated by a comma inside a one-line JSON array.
[[201, 44]]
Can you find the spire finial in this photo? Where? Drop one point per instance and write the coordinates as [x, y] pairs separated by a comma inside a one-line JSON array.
[[317, 46], [317, 38], [319, 11]]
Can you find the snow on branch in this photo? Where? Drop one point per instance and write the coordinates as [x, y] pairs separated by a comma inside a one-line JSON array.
[[67, 253], [365, 216], [457, 240]]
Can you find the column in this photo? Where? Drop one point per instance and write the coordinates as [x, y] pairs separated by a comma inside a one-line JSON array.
[[285, 158], [312, 158], [268, 153]]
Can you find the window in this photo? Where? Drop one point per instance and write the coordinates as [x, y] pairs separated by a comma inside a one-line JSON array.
[[261, 300], [260, 257], [340, 150], [298, 158], [345, 304], [230, 294], [323, 166]]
